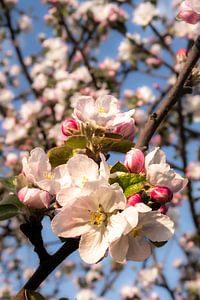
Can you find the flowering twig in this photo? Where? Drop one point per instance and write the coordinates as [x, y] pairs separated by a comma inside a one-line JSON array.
[[172, 97]]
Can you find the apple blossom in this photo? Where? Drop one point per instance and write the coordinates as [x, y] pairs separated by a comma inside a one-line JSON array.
[[38, 170], [135, 243], [159, 173], [189, 11], [134, 160], [96, 218], [144, 13], [34, 198], [193, 170], [84, 174]]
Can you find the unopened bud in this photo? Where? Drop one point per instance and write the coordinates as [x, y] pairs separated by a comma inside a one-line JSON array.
[[68, 126], [161, 193], [34, 198], [134, 199], [134, 160], [163, 209], [181, 55]]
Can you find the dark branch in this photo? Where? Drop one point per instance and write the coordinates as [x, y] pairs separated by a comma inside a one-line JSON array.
[[172, 97]]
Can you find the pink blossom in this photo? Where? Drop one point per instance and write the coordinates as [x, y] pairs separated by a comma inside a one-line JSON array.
[[161, 193], [163, 209], [134, 160], [68, 126], [188, 13], [34, 198], [126, 129], [134, 199]]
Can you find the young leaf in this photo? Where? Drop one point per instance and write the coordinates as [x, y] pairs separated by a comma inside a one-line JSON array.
[[119, 167], [8, 211], [133, 189], [59, 155], [126, 180], [76, 142], [11, 200], [9, 183]]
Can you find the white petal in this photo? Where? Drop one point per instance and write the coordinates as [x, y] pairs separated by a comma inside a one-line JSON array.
[[156, 226], [119, 248], [139, 249], [111, 198], [131, 216], [142, 208], [71, 222], [160, 174], [82, 169], [116, 227], [93, 245], [104, 167], [84, 108], [178, 183], [156, 156], [67, 195], [62, 176]]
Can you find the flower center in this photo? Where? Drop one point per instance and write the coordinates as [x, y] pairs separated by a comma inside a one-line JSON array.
[[98, 217], [83, 181], [136, 231], [48, 175], [101, 110]]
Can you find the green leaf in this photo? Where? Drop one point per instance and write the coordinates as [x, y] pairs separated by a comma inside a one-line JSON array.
[[119, 167], [133, 189], [9, 183], [59, 155], [76, 142], [11, 200], [115, 144], [8, 211], [127, 179]]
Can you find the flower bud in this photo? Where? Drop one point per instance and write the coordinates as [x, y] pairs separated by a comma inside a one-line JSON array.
[[134, 161], [126, 129], [134, 199], [161, 193], [181, 55], [163, 209], [187, 14], [68, 126], [34, 198]]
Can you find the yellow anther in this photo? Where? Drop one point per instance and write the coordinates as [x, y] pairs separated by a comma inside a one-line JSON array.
[[48, 175], [98, 217], [101, 109], [83, 181], [137, 231]]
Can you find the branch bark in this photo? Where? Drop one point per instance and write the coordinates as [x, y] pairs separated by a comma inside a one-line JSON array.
[[172, 97], [50, 264]]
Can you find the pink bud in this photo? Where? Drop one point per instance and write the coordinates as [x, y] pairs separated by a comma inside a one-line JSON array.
[[134, 199], [163, 209], [187, 14], [134, 160], [126, 129], [161, 193], [34, 198], [181, 55], [68, 126]]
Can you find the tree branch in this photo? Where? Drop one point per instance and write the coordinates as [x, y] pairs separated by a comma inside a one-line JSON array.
[[49, 265], [172, 97]]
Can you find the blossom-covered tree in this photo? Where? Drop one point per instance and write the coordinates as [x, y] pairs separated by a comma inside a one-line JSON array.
[[79, 82]]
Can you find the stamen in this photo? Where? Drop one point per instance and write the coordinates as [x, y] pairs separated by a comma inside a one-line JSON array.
[[98, 217], [48, 175]]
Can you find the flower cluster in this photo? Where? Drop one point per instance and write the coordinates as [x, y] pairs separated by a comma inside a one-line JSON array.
[[120, 209]]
